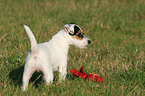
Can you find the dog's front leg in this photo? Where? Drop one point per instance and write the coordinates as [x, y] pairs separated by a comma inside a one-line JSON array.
[[62, 72]]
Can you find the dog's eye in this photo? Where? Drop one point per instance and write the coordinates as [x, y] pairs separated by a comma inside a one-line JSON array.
[[80, 35]]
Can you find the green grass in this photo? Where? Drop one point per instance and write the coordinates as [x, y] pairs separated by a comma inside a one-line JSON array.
[[117, 52]]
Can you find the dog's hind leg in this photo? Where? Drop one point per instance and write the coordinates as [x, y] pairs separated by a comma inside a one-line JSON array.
[[26, 76]]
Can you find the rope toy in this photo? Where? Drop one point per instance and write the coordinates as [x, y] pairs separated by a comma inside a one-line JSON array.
[[82, 74]]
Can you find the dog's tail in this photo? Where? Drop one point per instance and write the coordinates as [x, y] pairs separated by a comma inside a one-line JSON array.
[[33, 41]]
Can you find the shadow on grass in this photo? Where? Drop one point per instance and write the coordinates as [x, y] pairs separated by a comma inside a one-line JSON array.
[[36, 79], [17, 74]]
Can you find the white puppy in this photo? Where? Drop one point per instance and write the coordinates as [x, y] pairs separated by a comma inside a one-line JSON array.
[[52, 56]]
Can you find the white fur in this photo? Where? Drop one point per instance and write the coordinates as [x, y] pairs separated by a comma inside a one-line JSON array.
[[50, 56]]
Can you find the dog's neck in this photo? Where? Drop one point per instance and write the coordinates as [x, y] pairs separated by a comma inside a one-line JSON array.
[[60, 40]]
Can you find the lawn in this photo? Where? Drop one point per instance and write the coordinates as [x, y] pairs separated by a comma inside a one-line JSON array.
[[117, 52]]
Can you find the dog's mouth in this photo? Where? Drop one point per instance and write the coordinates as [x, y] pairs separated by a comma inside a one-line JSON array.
[[86, 46]]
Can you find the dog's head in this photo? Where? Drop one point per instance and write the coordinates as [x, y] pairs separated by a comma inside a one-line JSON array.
[[76, 36]]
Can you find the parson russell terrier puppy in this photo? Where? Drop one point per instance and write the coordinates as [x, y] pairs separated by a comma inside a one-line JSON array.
[[52, 56]]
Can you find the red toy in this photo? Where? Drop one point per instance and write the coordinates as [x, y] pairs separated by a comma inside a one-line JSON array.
[[81, 73]]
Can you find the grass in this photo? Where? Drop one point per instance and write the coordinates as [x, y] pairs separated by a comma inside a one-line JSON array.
[[117, 31]]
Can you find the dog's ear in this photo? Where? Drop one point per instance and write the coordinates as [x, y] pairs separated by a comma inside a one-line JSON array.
[[67, 29]]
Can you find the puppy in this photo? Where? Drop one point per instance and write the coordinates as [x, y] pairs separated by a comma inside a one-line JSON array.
[[52, 56]]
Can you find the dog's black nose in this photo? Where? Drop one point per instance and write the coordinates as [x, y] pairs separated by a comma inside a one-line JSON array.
[[89, 41]]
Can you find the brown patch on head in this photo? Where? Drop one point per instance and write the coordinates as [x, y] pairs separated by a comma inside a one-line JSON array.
[[79, 32], [79, 35], [76, 37]]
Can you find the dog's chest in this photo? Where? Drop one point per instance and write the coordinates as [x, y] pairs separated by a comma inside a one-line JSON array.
[[56, 55]]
